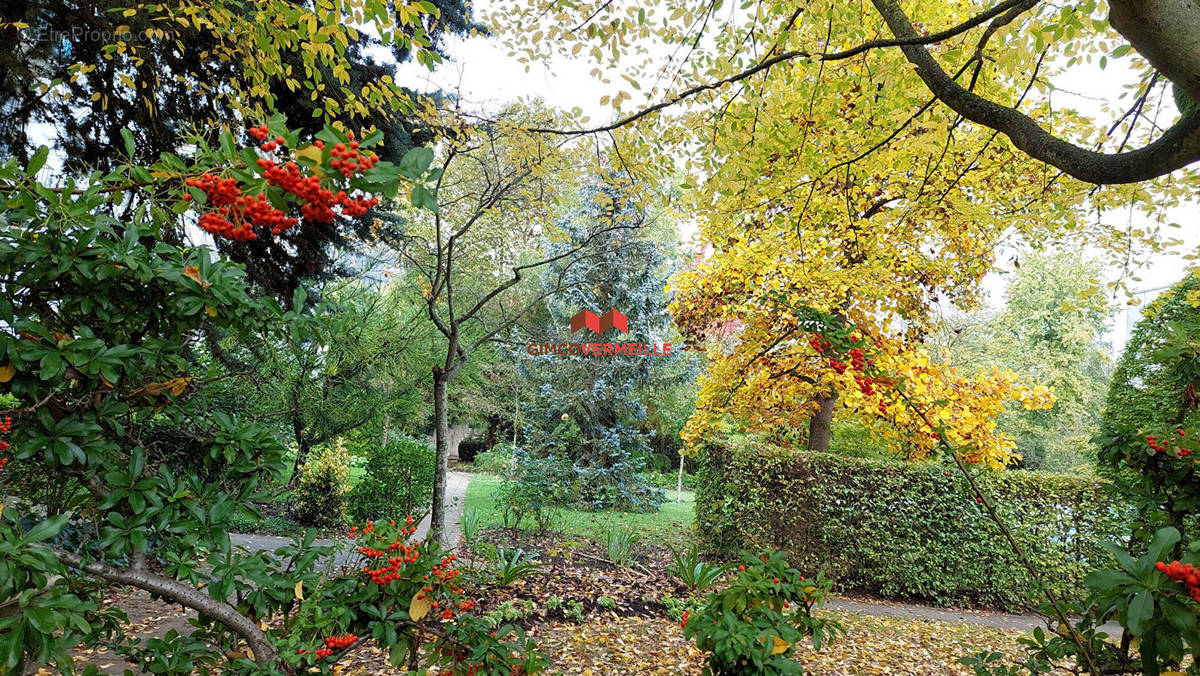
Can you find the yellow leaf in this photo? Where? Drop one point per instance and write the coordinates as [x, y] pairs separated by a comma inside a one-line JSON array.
[[177, 385], [212, 311], [192, 272], [6, 373], [780, 646], [299, 590], [419, 607]]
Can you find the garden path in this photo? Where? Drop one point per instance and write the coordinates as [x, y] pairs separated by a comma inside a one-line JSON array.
[[456, 491]]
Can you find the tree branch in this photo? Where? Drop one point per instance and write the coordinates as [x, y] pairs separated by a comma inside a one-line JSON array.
[[1176, 148], [184, 594]]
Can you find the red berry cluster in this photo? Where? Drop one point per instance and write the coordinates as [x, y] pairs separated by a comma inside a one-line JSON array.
[[818, 343], [1184, 573], [858, 362], [1160, 447], [332, 643], [865, 384], [683, 622], [340, 642], [5, 426], [316, 203], [237, 214], [348, 160]]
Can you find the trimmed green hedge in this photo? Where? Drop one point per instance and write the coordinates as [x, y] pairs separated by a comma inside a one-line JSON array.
[[903, 529]]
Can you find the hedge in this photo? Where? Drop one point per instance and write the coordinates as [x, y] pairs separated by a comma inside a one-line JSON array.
[[906, 530]]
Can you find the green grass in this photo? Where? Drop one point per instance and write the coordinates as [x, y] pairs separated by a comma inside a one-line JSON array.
[[672, 524]]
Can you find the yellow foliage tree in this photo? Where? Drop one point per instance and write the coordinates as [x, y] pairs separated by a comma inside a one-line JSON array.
[[815, 229]]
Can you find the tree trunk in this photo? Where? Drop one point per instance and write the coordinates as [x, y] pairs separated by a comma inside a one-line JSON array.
[[301, 450], [493, 425], [441, 436], [1167, 33], [184, 594], [820, 425]]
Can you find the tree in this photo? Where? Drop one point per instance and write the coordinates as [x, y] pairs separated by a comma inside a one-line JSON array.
[[341, 366], [1007, 41], [1150, 421], [165, 72], [871, 247], [497, 189], [1051, 330], [588, 410]]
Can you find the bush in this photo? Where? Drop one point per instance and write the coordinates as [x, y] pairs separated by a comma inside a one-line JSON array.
[[1150, 432], [496, 461], [752, 626], [320, 495], [534, 489], [669, 481], [903, 529], [608, 488], [397, 481]]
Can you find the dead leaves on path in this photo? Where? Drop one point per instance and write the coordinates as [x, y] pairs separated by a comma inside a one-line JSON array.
[[609, 644]]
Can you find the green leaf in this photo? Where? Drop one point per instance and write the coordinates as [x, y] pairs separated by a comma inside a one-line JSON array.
[[1140, 612], [46, 529], [41, 619], [1104, 580], [38, 160], [415, 162], [1120, 554], [298, 298], [129, 144], [1164, 539], [424, 198]]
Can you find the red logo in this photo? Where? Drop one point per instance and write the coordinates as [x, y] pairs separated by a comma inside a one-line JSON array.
[[599, 324], [609, 320]]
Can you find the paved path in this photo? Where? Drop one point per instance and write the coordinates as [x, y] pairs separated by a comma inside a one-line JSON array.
[[958, 615], [456, 493]]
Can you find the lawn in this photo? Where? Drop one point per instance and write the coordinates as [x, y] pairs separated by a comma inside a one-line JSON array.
[[670, 524]]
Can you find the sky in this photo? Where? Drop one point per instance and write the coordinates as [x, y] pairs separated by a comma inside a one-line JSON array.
[[485, 76]]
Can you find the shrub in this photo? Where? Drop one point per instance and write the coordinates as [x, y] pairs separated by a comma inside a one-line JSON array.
[[1149, 433], [320, 495], [534, 489], [496, 461], [398, 480], [753, 625], [608, 488], [904, 529]]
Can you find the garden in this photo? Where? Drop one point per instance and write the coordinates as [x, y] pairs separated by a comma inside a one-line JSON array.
[[456, 339]]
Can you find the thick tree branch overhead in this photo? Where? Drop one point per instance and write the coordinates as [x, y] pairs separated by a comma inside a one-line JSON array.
[[1165, 32], [1178, 146]]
